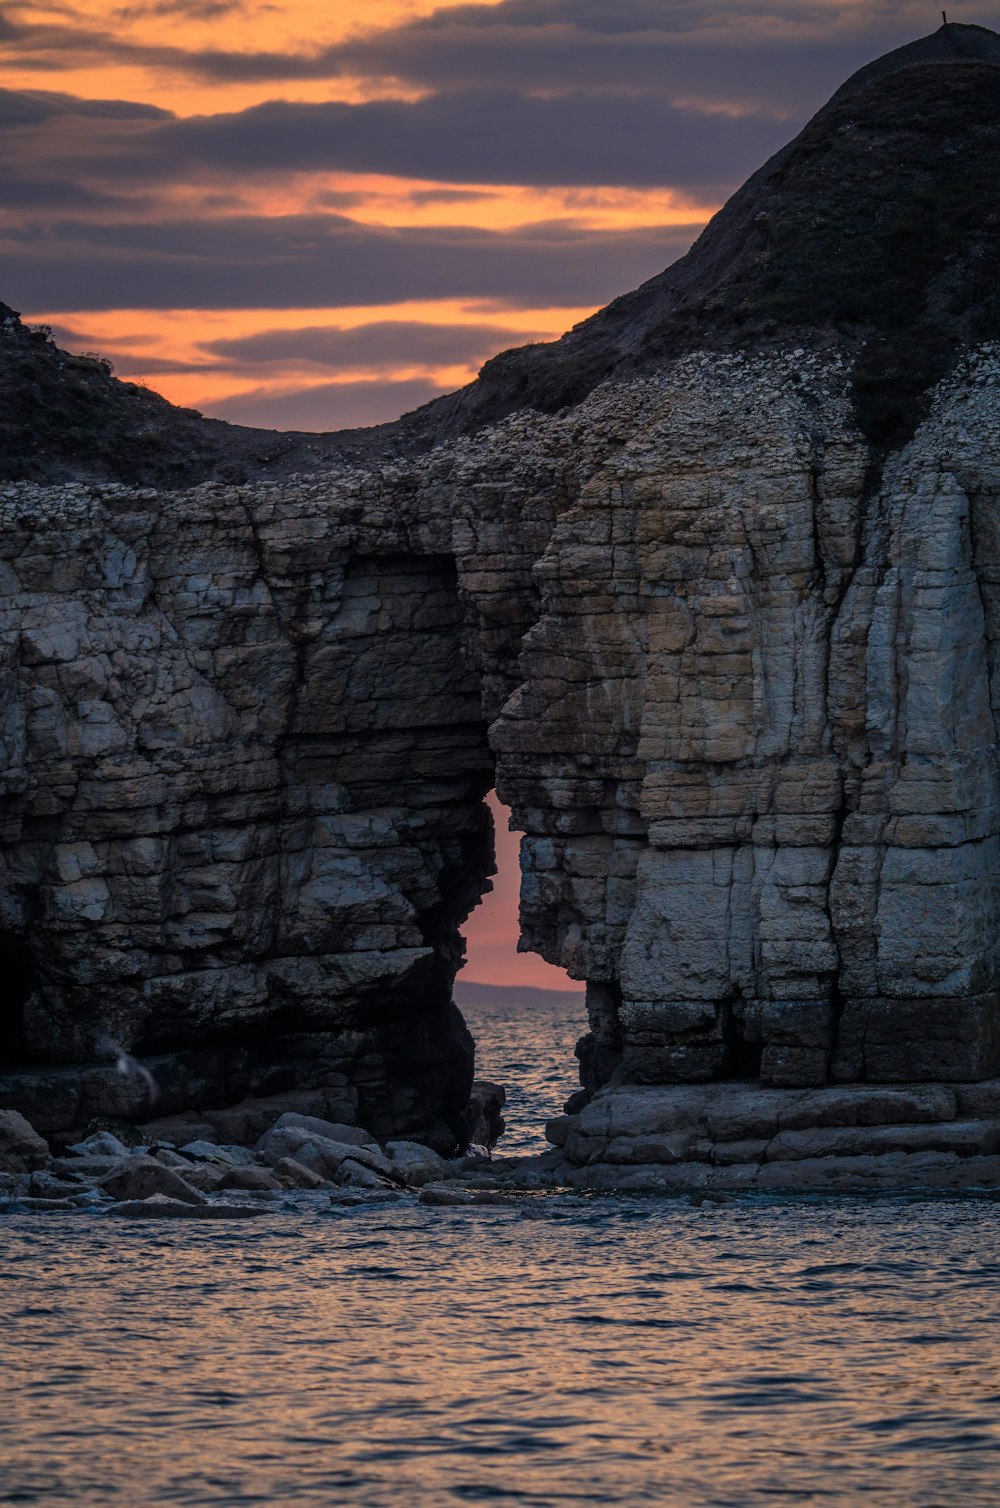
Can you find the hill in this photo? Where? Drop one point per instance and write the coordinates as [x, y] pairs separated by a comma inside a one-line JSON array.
[[877, 228]]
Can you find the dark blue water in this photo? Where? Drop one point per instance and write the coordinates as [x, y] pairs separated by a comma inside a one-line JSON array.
[[561, 1350]]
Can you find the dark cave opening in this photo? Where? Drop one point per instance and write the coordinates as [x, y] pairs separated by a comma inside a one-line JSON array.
[[17, 977]]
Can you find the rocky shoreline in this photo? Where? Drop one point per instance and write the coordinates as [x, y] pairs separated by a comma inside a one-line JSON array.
[[715, 1138], [142, 1173], [733, 1136]]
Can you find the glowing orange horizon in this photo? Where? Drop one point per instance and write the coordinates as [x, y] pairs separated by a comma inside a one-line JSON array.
[[140, 341], [492, 930], [149, 58], [297, 28]]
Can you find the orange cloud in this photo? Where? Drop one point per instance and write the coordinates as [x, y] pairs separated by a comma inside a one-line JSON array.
[[176, 351], [173, 28]]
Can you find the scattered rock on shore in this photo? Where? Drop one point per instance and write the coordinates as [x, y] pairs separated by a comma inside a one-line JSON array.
[[142, 1178], [22, 1150]]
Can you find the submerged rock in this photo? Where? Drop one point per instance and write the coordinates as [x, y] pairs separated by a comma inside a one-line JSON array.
[[162, 1207], [446, 1194], [457, 1194]]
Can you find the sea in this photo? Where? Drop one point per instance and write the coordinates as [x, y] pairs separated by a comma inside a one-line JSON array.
[[558, 1350]]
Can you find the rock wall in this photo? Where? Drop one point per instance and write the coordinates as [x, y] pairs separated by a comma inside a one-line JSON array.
[[737, 687], [244, 760], [773, 847]]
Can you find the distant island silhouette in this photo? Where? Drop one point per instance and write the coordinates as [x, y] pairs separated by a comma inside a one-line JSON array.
[[472, 992]]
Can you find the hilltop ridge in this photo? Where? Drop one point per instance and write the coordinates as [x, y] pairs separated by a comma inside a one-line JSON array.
[[876, 228]]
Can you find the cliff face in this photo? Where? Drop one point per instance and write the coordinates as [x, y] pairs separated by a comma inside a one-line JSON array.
[[728, 655], [770, 840], [749, 733], [245, 760]]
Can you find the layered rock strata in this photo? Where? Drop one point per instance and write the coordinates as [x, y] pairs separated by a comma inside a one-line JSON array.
[[743, 1139], [774, 693], [749, 734], [245, 756], [722, 632]]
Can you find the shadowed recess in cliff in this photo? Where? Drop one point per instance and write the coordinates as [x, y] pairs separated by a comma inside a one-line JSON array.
[[16, 974]]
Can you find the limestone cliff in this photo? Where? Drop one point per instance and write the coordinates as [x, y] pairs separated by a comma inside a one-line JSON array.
[[721, 628]]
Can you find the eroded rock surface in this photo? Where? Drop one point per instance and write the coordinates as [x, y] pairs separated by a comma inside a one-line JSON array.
[[743, 1138], [722, 633], [774, 848], [740, 702]]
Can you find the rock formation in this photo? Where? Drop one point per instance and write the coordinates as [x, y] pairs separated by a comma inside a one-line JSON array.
[[710, 588]]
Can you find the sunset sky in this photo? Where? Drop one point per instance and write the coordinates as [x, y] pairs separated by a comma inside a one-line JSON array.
[[319, 213]]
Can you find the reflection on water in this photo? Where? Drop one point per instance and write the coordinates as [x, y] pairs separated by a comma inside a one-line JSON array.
[[527, 1046], [562, 1351], [597, 1352]]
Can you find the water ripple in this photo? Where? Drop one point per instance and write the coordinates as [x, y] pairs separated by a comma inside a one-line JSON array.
[[620, 1351]]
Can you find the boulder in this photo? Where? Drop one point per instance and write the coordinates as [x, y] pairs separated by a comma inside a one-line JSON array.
[[319, 1152], [352, 1136], [170, 1158], [416, 1163], [43, 1185], [252, 1178], [210, 1151], [141, 1177], [206, 1176], [22, 1150], [296, 1173], [355, 1175], [100, 1144]]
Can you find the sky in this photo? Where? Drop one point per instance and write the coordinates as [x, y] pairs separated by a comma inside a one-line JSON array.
[[491, 932], [320, 213]]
